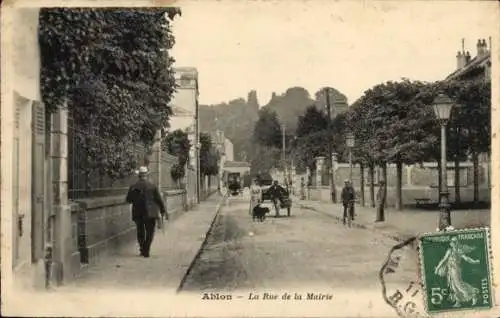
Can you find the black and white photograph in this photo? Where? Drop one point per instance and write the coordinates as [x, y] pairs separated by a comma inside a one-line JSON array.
[[250, 158]]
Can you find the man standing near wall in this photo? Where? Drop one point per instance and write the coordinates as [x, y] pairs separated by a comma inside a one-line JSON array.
[[348, 197], [146, 201]]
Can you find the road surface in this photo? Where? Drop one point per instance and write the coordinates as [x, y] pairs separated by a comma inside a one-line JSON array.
[[307, 249]]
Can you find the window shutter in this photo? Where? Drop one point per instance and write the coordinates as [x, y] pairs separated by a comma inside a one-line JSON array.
[[38, 180]]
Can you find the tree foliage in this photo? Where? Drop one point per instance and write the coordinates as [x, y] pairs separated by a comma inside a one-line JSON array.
[[263, 159], [311, 121], [209, 158], [472, 112], [177, 144], [267, 130], [311, 146], [111, 68], [398, 124]]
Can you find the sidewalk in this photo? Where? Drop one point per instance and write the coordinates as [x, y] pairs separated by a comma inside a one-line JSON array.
[[172, 253], [400, 225]]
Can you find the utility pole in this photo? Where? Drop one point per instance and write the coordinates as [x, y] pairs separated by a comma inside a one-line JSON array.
[[330, 143]]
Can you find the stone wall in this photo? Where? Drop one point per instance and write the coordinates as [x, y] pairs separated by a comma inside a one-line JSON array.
[[102, 225], [418, 181]]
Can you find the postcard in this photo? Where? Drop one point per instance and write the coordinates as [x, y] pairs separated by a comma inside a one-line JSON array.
[[226, 158]]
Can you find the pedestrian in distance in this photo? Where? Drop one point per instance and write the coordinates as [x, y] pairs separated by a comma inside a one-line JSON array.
[[348, 197], [147, 209], [255, 195], [302, 189]]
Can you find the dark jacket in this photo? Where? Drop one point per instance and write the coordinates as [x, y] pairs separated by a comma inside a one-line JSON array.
[[276, 191], [146, 200], [347, 194]]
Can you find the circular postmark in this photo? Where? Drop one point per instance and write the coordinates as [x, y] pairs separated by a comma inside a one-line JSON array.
[[400, 280]]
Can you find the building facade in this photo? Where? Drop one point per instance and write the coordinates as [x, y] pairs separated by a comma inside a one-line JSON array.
[[184, 106], [225, 149], [24, 155], [228, 149]]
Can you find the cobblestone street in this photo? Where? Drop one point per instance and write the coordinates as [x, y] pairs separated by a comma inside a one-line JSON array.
[[307, 249]]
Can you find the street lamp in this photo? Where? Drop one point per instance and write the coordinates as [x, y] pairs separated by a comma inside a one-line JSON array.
[[349, 140], [442, 108]]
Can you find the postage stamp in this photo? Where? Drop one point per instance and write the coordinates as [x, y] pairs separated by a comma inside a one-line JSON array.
[[455, 270]]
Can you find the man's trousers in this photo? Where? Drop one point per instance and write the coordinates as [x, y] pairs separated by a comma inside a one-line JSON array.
[[145, 234]]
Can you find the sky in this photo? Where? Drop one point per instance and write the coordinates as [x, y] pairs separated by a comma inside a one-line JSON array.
[[270, 46]]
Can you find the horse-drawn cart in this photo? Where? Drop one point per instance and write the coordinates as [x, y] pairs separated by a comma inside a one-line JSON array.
[[234, 183]]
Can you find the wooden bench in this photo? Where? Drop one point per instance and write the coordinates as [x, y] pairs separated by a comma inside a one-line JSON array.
[[420, 201]]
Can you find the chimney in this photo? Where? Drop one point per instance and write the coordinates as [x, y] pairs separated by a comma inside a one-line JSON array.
[[460, 60], [480, 47], [467, 58], [485, 47]]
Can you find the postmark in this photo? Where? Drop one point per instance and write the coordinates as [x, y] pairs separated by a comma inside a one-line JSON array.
[[455, 270], [405, 297]]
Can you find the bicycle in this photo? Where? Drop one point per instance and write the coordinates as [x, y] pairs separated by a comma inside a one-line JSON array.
[[349, 214]]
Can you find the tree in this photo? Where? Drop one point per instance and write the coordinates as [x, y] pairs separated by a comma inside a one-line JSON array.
[[263, 159], [111, 68], [400, 123], [470, 123], [177, 144], [208, 156], [363, 129], [311, 146], [313, 120], [473, 116], [267, 130]]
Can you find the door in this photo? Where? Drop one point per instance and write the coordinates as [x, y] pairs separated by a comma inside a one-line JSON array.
[[38, 181]]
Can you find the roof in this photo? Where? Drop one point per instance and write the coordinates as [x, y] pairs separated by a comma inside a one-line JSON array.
[[186, 72], [475, 62], [236, 164]]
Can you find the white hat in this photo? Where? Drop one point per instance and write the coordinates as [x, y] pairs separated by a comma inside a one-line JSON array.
[[143, 170]]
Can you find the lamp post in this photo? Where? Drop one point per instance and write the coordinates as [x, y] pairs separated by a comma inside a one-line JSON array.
[[349, 140], [442, 108]]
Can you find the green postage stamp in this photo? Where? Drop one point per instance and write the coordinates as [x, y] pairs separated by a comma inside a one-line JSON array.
[[455, 270]]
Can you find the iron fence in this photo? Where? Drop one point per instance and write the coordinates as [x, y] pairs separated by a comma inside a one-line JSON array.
[[86, 157]]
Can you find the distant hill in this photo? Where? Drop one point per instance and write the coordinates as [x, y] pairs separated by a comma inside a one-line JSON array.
[[237, 117]]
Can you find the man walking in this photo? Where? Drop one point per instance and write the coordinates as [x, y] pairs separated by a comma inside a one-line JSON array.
[[348, 201], [146, 201]]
